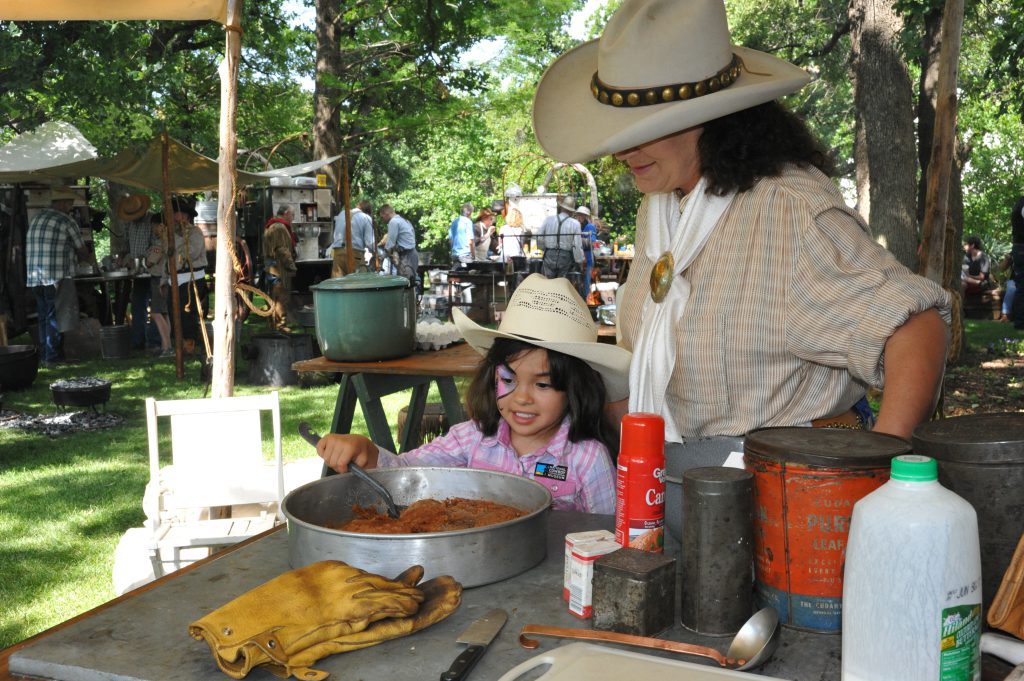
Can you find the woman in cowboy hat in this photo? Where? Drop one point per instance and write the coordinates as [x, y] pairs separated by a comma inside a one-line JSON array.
[[756, 297], [535, 404]]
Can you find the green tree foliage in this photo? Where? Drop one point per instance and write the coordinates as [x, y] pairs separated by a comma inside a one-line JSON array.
[[120, 82]]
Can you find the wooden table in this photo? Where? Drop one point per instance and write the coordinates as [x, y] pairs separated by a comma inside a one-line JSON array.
[[141, 636], [365, 383], [617, 266]]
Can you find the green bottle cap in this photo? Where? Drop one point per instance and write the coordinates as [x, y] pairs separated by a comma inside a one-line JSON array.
[[914, 468]]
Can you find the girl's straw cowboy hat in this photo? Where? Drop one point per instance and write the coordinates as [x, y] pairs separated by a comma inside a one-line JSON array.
[[660, 67], [132, 207], [550, 314]]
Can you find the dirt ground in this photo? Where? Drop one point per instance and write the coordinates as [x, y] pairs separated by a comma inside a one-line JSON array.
[[984, 382]]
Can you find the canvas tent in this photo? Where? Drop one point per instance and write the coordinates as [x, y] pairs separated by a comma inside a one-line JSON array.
[[57, 150]]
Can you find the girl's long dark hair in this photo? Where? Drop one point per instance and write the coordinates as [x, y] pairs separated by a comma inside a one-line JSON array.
[[583, 387], [740, 148]]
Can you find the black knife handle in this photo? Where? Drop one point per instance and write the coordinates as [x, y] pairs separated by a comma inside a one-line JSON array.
[[464, 663]]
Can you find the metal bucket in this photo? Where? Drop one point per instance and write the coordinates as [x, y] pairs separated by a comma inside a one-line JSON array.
[[275, 354], [473, 557], [806, 481], [981, 458], [115, 341]]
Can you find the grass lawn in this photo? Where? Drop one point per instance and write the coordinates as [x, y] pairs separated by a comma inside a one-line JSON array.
[[66, 500]]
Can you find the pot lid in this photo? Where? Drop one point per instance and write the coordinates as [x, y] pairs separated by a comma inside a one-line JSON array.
[[825, 447], [975, 438], [362, 281]]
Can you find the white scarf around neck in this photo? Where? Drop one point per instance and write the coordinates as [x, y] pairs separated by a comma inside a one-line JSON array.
[[684, 233]]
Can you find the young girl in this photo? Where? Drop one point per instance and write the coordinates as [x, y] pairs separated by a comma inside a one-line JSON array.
[[536, 403]]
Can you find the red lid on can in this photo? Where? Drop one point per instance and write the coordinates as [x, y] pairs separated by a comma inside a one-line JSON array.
[[642, 431]]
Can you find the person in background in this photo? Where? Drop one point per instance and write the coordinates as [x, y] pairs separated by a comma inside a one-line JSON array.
[[510, 236], [159, 278], [1009, 287], [588, 235], [51, 244], [363, 239], [1017, 257], [559, 237], [190, 270], [738, 197], [976, 268], [279, 266], [460, 234], [400, 240], [132, 211], [535, 403], [285, 215], [483, 229]]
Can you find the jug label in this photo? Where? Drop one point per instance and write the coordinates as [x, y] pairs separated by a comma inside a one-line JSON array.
[[961, 631]]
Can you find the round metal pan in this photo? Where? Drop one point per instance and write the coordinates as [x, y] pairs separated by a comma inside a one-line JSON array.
[[473, 557]]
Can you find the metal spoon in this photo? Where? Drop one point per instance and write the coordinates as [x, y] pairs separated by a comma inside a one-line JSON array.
[[752, 646], [312, 438]]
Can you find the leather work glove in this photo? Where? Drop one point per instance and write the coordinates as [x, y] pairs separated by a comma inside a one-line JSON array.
[[306, 614]]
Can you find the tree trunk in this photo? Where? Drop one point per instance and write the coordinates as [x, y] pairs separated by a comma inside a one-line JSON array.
[[326, 123], [884, 149]]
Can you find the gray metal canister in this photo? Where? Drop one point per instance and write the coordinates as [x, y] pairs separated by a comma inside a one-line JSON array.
[[981, 458], [717, 550]]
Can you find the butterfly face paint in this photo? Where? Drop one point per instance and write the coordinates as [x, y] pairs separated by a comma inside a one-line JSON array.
[[504, 381]]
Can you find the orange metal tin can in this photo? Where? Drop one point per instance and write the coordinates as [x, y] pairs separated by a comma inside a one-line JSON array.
[[806, 481]]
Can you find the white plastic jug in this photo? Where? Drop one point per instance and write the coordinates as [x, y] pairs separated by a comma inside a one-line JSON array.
[[912, 582]]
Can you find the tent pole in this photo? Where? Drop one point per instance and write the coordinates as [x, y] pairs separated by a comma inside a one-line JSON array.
[[223, 378], [172, 258]]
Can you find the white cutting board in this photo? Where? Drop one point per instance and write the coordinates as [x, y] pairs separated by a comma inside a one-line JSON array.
[[577, 661]]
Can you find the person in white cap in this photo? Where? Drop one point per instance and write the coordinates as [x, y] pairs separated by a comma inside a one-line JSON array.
[[756, 297], [52, 241], [588, 235], [536, 402]]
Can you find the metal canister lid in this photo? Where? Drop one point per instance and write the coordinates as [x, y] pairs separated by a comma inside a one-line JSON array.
[[825, 447], [362, 281], [975, 438], [718, 480]]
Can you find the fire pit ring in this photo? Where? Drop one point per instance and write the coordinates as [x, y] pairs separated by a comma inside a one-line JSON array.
[[81, 392]]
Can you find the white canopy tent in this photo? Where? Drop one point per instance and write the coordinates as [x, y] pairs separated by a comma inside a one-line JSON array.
[[57, 150]]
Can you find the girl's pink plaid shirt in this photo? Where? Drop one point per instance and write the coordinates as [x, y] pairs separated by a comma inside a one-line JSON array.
[[589, 483]]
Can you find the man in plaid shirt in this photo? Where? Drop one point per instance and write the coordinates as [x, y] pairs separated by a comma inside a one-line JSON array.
[[53, 239]]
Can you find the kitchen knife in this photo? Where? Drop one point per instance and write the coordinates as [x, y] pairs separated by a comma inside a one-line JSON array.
[[479, 634]]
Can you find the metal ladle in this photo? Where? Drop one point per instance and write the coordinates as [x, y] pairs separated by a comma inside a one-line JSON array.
[[752, 646], [312, 438]]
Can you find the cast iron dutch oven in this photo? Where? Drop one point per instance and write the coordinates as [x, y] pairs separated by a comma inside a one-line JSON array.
[[365, 316]]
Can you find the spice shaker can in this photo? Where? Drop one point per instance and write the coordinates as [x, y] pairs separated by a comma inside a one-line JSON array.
[[717, 550]]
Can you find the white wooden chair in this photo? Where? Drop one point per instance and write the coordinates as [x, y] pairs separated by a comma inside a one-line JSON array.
[[217, 460]]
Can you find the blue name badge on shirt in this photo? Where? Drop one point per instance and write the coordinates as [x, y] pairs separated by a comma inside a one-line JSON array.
[[547, 470]]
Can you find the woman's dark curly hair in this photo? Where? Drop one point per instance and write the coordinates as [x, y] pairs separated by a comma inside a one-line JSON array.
[[581, 384], [739, 149]]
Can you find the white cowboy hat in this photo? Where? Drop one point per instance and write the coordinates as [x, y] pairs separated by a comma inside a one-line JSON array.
[[132, 207], [550, 314], [660, 67], [584, 210], [567, 203]]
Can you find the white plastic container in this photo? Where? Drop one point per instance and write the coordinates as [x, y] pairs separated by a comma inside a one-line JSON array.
[[912, 582]]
